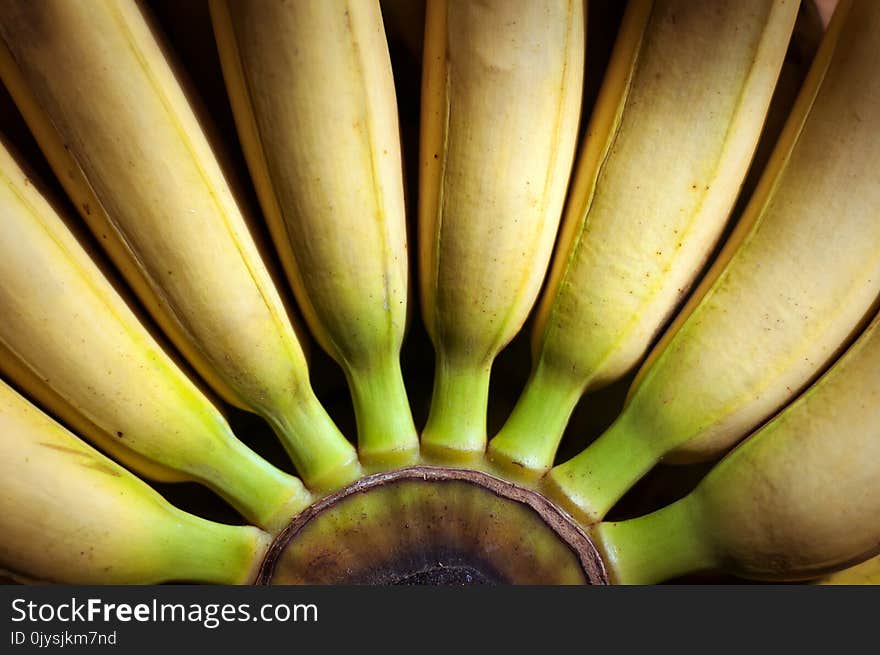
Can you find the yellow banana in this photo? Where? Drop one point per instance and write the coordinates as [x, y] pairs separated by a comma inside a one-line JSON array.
[[70, 340], [70, 515], [667, 149], [795, 281], [313, 95], [794, 501], [501, 93], [108, 109], [867, 572]]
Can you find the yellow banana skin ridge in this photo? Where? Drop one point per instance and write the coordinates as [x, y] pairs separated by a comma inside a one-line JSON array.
[[109, 111]]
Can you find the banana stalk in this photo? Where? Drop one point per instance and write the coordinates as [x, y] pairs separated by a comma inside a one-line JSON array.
[[112, 115], [313, 95], [667, 149], [797, 279], [71, 341], [70, 515], [501, 94], [794, 501]]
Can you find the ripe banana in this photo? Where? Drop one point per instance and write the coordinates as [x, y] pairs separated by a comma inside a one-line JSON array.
[[797, 278], [70, 340], [795, 500], [70, 515], [111, 114], [867, 572], [313, 95], [666, 152], [501, 94]]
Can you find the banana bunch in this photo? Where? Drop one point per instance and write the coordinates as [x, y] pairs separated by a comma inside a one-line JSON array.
[[753, 336]]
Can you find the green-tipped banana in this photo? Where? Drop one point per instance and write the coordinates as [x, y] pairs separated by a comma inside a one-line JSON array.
[[115, 122], [501, 93], [668, 147], [313, 95], [794, 501], [70, 340], [70, 515], [796, 280]]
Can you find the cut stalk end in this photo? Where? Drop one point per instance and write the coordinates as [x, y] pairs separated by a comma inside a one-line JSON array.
[[432, 525]]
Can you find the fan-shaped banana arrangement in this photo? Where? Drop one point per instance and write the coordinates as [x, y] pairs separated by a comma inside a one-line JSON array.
[[753, 335]]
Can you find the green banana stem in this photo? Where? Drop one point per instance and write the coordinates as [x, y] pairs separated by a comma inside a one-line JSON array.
[[386, 434], [323, 458], [456, 428], [262, 493], [589, 484], [656, 547], [531, 435], [202, 551]]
